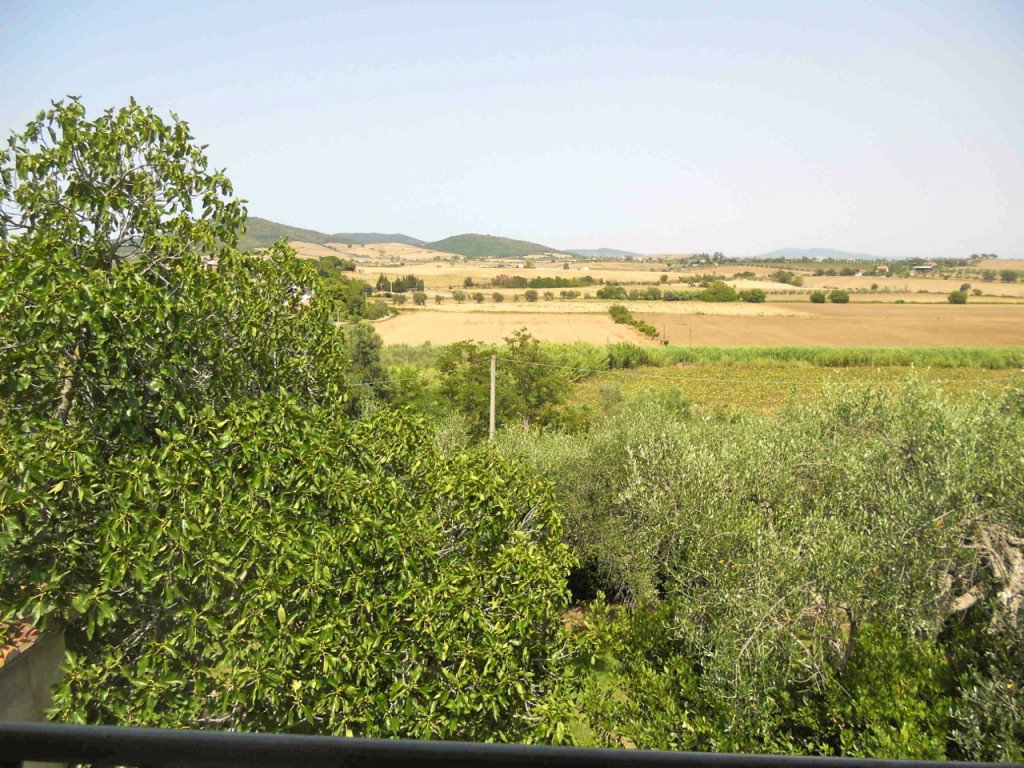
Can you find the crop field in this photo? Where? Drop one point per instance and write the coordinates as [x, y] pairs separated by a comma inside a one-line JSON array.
[[766, 388], [850, 325], [730, 324], [489, 327]]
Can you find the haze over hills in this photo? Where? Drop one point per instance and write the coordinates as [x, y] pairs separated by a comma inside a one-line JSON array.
[[817, 253], [603, 253], [262, 233]]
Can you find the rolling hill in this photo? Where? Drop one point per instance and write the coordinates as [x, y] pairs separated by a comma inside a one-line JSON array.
[[817, 253], [261, 233], [473, 246]]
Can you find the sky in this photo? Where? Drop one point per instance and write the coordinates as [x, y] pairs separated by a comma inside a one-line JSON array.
[[888, 128]]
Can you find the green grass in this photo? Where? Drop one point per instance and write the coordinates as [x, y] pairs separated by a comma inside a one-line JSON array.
[[768, 387], [595, 356]]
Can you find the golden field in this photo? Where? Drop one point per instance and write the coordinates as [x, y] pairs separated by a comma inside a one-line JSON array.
[[851, 325], [883, 311]]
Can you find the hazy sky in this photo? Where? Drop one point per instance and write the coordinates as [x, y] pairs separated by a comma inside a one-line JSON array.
[[895, 129]]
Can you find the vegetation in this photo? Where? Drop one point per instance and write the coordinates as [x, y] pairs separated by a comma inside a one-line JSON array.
[[622, 315], [838, 296], [818, 297], [813, 582], [244, 515], [342, 576], [958, 297]]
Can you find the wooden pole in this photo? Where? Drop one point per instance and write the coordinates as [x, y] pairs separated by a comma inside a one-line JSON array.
[[494, 368]]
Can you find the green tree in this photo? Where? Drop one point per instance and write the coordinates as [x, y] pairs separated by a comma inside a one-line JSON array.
[[498, 297], [183, 487], [419, 298], [818, 297], [530, 294], [837, 296], [459, 296], [957, 297], [123, 303], [530, 389]]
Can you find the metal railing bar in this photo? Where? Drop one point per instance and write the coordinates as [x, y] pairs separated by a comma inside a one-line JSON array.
[[109, 745]]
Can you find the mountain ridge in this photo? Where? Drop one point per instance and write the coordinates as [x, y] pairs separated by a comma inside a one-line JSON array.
[[262, 233]]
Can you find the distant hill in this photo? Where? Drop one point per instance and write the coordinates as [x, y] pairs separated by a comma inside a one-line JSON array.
[[261, 233], [817, 253], [489, 247], [602, 253]]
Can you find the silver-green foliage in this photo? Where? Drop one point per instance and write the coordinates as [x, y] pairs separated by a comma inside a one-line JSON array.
[[764, 555]]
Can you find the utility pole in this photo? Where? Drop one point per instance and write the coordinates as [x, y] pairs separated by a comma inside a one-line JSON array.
[[494, 369]]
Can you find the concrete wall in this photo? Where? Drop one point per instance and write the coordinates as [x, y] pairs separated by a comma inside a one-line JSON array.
[[27, 679]]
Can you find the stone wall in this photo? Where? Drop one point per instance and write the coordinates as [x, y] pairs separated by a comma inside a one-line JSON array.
[[27, 678]]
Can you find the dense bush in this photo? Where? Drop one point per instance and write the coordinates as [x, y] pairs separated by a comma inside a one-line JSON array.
[[818, 297], [340, 577], [957, 297], [796, 578], [753, 296], [837, 296], [185, 489], [612, 292]]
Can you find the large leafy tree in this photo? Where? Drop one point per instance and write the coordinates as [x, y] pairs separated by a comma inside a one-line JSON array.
[[124, 305], [184, 490]]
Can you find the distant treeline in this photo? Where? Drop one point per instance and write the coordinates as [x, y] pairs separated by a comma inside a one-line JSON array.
[[518, 281], [715, 291]]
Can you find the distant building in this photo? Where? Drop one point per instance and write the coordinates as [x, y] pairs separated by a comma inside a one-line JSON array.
[[928, 266]]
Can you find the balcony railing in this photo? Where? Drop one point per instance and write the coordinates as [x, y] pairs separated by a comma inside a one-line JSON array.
[[157, 748]]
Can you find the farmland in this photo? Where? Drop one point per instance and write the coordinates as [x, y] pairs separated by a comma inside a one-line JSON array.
[[471, 300], [674, 540], [803, 324]]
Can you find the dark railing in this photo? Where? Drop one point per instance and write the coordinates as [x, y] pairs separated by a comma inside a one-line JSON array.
[[160, 748]]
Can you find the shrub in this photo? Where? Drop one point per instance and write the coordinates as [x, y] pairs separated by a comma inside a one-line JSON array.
[[623, 355], [498, 297], [478, 297], [530, 295], [718, 291], [753, 296], [838, 296], [419, 298], [957, 297], [965, 287], [459, 296], [612, 292]]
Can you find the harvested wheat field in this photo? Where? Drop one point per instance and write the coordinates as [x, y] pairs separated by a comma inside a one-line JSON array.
[[440, 327], [853, 325]]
